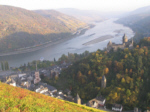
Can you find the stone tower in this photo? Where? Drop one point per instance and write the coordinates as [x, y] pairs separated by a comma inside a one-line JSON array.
[[103, 82], [109, 44], [132, 41], [125, 38], [37, 77], [78, 99]]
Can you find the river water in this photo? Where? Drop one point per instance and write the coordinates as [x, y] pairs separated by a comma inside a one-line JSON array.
[[75, 45]]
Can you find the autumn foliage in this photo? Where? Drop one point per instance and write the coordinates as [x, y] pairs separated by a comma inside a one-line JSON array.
[[15, 99]]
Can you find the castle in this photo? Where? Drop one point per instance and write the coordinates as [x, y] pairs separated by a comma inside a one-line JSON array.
[[125, 44]]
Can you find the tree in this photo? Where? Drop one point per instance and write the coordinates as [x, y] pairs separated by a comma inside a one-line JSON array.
[[106, 70], [139, 64], [123, 80], [131, 85], [148, 97], [118, 76], [54, 60], [79, 76], [6, 65], [2, 66], [128, 92]]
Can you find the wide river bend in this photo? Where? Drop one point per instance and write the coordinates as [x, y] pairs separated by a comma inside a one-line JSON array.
[[103, 32]]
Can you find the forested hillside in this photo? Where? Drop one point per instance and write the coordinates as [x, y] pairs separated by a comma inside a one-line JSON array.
[[127, 73], [15, 99], [62, 19], [139, 21], [21, 28]]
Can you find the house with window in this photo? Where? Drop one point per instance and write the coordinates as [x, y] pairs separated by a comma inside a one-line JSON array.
[[117, 107]]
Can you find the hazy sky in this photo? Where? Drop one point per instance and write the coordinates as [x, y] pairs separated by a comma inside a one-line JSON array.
[[102, 5]]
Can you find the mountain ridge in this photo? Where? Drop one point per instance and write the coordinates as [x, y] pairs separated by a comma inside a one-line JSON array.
[[17, 25], [138, 20]]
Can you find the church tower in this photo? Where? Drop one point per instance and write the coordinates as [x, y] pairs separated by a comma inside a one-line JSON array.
[[103, 82], [125, 38], [78, 99]]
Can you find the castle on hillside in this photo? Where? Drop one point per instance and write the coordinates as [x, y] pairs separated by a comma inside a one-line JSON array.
[[125, 44]]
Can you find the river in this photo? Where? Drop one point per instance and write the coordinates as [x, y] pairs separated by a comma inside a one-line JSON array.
[[75, 45]]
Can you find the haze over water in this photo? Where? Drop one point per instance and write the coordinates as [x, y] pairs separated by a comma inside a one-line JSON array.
[[75, 45]]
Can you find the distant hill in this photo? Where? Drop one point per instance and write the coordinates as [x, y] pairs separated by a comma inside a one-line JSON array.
[[139, 21], [84, 15], [65, 20], [141, 10], [21, 28], [15, 99]]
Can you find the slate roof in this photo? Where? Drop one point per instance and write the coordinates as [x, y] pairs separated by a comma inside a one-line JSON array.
[[100, 98], [117, 105]]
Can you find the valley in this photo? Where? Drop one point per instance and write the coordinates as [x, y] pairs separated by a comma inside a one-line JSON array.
[[74, 45], [75, 56]]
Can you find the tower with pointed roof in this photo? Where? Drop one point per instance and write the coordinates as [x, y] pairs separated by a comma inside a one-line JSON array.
[[109, 44], [125, 38], [103, 82], [77, 99]]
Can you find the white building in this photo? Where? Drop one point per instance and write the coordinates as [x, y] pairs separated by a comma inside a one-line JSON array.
[[117, 107]]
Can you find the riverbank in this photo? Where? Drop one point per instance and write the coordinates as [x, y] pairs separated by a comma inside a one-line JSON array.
[[46, 45], [100, 39]]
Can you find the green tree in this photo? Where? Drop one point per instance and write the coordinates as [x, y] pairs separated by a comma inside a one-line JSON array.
[[54, 60], [2, 66], [6, 65], [139, 64], [123, 80], [128, 92]]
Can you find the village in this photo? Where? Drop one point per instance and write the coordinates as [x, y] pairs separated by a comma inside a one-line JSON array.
[[32, 81]]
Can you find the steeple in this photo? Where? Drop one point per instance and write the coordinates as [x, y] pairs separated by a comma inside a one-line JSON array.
[[78, 96], [77, 99], [125, 38], [132, 41], [110, 43]]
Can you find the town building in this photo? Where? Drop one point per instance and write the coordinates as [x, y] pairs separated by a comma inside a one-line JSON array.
[[37, 78], [97, 102], [117, 107], [77, 99]]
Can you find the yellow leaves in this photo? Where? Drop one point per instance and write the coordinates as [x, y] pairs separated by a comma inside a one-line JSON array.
[[118, 89], [146, 53], [89, 72], [118, 76], [137, 46], [126, 71], [125, 56], [130, 71], [141, 51], [126, 50], [31, 101], [123, 80], [106, 70]]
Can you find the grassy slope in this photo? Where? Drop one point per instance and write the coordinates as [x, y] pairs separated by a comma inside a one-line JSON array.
[[14, 99]]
